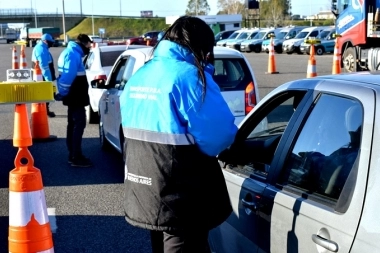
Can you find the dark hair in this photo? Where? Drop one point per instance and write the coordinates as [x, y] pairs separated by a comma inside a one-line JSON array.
[[83, 38], [195, 34]]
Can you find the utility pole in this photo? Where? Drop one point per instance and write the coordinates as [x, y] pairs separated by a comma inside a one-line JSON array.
[[63, 21], [92, 17], [35, 13], [120, 7]]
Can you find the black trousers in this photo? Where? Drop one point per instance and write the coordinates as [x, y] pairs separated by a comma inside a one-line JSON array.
[[180, 242], [76, 122]]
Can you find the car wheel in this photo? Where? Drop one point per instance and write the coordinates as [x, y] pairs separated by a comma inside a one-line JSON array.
[[122, 143], [104, 143], [288, 53], [349, 60], [257, 49], [91, 116], [319, 51]]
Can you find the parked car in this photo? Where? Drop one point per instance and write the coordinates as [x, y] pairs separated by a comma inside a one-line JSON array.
[[285, 33], [309, 181], [223, 35], [327, 43], [293, 45], [98, 65], [248, 34], [235, 35], [95, 38], [148, 38], [233, 74], [255, 43]]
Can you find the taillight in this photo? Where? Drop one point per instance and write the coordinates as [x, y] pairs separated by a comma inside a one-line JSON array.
[[97, 77], [250, 97]]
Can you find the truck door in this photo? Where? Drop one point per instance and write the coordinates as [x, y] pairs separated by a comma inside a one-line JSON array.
[[323, 178]]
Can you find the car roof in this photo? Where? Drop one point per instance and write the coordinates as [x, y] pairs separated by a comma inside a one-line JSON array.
[[110, 48], [145, 50], [363, 77]]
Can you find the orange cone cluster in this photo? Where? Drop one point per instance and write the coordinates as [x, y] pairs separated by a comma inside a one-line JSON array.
[[272, 61], [312, 66]]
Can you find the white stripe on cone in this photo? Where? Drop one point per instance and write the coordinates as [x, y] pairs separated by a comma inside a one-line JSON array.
[[23, 204], [312, 69]]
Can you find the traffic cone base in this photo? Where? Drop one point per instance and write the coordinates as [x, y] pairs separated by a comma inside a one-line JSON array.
[[40, 125]]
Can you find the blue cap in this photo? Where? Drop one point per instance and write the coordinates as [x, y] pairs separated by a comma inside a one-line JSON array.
[[47, 37]]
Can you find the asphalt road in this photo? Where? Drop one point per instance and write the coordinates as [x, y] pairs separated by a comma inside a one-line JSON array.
[[85, 204]]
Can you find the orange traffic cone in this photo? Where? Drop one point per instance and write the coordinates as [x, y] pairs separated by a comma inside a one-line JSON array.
[[29, 227], [15, 63], [336, 69], [37, 73], [23, 64], [272, 61], [40, 124], [311, 67]]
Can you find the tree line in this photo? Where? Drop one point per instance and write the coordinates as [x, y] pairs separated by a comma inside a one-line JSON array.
[[271, 13]]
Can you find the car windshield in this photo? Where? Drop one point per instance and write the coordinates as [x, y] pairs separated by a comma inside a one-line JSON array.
[[107, 59], [243, 35], [323, 35], [281, 35], [302, 35], [234, 35], [260, 35], [252, 35]]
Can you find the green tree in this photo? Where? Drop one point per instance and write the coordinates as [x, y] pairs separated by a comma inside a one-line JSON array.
[[231, 7], [274, 12], [197, 7]]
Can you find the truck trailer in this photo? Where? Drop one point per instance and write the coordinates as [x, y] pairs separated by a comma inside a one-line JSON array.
[[358, 22], [32, 35]]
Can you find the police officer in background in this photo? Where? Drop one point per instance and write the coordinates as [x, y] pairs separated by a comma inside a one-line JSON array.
[[72, 90], [42, 55]]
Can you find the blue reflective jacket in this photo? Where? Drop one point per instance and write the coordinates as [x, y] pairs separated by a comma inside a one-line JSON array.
[[42, 55], [165, 96], [70, 66]]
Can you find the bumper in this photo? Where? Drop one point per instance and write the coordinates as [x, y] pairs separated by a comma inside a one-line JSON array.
[[244, 48], [288, 48]]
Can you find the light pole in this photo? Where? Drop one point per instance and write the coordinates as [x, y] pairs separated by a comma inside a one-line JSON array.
[[63, 22], [311, 20], [35, 13], [92, 17]]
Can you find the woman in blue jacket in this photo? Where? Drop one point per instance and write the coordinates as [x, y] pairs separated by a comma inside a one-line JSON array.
[[175, 122]]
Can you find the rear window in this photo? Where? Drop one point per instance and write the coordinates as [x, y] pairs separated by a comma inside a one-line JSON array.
[[107, 59], [231, 74]]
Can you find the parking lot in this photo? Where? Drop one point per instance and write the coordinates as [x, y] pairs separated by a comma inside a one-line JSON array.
[[85, 205]]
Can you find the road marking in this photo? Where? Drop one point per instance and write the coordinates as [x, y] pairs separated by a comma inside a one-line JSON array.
[[52, 220]]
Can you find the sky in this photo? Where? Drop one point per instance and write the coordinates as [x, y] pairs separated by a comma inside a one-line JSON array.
[[160, 8]]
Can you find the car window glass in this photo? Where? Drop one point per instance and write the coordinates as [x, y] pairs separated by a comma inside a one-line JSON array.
[[259, 136], [89, 60], [326, 149], [230, 73], [128, 71], [314, 34], [107, 59], [117, 74]]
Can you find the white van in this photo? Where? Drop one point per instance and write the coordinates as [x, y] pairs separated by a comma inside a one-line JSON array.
[[293, 45]]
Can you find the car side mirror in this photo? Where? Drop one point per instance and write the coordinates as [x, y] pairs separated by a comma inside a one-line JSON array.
[[98, 83]]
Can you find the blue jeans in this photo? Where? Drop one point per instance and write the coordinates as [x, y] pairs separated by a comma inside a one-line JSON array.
[[76, 123]]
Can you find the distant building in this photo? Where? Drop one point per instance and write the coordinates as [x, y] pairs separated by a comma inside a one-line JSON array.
[[321, 15]]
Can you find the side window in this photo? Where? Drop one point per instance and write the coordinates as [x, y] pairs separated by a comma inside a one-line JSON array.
[[325, 151], [256, 144], [89, 60], [128, 71], [314, 34], [117, 74]]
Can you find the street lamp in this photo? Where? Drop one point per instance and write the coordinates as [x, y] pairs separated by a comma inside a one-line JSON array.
[[92, 17], [63, 22], [311, 20], [35, 13]]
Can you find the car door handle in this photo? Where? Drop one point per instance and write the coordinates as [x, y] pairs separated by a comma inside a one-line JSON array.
[[249, 205], [325, 243]]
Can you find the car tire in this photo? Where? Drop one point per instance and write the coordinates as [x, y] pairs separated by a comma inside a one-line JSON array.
[[122, 143], [91, 116], [289, 53], [257, 50], [319, 51], [104, 143]]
